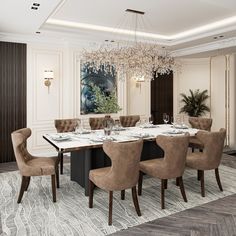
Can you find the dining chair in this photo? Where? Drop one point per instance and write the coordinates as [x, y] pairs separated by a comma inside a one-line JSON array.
[[31, 165], [202, 124], [98, 122], [210, 158], [123, 173], [129, 121], [171, 166], [63, 126]]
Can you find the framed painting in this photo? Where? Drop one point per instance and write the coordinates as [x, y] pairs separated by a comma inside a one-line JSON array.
[[104, 78]]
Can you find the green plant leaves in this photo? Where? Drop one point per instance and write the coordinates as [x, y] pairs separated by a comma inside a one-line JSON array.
[[194, 104], [105, 104]]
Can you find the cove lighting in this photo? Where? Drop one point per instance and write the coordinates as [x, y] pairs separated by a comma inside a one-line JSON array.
[[215, 25]]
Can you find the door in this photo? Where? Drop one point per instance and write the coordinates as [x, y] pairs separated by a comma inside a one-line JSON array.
[[162, 97]]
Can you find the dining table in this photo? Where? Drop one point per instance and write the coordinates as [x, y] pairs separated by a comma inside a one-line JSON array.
[[85, 146]]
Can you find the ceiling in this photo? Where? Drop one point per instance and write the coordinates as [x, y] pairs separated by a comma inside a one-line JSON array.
[[175, 24]]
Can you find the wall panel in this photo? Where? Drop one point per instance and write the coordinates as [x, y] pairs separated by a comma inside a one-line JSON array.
[[12, 95]]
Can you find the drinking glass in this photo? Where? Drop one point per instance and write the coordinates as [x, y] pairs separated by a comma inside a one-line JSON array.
[[172, 120], [107, 127], [165, 118], [150, 119]]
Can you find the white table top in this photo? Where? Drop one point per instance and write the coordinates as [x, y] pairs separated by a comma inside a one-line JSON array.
[[74, 141]]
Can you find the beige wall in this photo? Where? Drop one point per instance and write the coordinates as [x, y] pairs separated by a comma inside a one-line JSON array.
[[217, 75], [63, 99]]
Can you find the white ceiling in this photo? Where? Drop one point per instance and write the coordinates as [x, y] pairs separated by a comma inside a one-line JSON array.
[[175, 23]]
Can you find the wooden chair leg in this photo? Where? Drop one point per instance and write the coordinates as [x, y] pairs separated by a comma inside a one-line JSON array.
[[198, 175], [91, 188], [53, 179], [140, 183], [135, 200], [61, 162], [177, 181], [27, 183], [122, 194], [57, 177], [162, 194], [166, 183], [202, 183], [110, 207], [22, 188], [218, 179], [181, 185]]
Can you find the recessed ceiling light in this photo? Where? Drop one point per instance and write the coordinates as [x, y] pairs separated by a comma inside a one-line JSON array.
[[34, 8], [36, 4]]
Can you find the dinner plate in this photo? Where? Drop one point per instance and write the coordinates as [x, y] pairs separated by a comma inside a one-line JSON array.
[[173, 132], [61, 138], [180, 127], [139, 135], [148, 126]]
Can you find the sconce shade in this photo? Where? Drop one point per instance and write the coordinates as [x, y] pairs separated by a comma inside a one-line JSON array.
[[140, 79], [48, 74]]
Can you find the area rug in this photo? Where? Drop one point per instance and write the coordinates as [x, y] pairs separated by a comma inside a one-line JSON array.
[[70, 215]]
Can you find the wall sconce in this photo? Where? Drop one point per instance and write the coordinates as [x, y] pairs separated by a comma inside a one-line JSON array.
[[139, 80], [48, 75]]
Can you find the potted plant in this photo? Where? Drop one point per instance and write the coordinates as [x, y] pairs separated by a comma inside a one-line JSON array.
[[194, 104]]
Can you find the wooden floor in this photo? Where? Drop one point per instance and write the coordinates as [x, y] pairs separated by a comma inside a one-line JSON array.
[[211, 219], [217, 218]]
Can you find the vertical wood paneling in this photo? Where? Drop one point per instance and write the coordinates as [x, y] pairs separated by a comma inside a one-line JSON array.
[[12, 95]]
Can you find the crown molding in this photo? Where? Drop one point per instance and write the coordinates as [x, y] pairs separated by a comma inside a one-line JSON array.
[[226, 43]]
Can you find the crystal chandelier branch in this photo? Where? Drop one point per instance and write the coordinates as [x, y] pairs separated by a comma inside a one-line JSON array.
[[136, 60]]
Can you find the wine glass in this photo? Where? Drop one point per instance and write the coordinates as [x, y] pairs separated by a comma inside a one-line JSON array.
[[165, 118], [172, 120], [150, 119]]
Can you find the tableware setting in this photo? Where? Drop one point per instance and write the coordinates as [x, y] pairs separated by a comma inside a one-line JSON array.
[[60, 137], [173, 131]]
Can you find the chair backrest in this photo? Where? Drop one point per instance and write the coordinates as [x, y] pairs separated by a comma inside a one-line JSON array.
[[200, 123], [98, 122], [65, 125], [125, 158], [175, 149], [213, 147], [19, 138], [129, 121]]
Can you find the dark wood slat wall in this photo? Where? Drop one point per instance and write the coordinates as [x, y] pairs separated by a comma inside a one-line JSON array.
[[12, 95], [162, 97]]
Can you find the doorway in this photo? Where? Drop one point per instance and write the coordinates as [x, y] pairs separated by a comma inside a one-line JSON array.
[[162, 97]]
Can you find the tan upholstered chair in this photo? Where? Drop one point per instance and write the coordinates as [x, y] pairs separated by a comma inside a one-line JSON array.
[[122, 174], [169, 167], [62, 126], [97, 122], [30, 165], [202, 124], [129, 121], [210, 158]]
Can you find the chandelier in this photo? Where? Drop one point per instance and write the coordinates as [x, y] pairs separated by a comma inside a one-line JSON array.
[[132, 60]]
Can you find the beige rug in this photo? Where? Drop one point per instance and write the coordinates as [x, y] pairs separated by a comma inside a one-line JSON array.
[[38, 215]]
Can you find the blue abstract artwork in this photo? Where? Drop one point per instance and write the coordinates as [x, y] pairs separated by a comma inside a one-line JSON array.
[[104, 78]]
